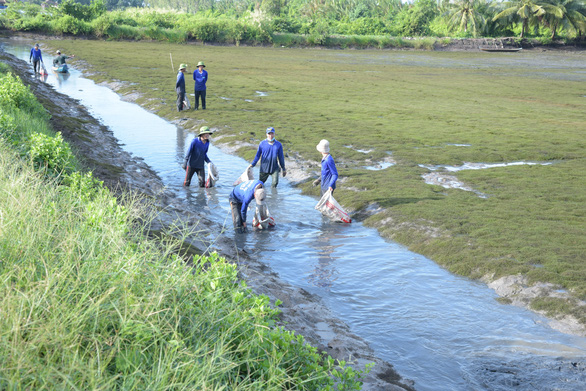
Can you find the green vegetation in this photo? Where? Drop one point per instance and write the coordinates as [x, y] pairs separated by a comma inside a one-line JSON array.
[[413, 105], [88, 302], [300, 22]]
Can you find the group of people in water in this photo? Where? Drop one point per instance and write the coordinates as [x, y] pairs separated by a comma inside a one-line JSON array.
[[272, 162], [36, 58]]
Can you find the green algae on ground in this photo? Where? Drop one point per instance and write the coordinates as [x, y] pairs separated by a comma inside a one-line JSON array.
[[415, 105]]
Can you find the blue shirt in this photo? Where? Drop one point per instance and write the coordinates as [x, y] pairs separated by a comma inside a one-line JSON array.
[[198, 153], [200, 79], [269, 154], [36, 55], [329, 174], [180, 85], [244, 193]]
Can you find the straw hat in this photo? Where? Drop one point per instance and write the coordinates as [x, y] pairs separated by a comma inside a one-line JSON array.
[[323, 146]]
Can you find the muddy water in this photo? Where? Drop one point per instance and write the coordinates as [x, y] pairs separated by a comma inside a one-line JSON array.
[[443, 331]]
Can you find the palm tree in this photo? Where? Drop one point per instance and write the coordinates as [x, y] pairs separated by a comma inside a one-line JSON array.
[[525, 10], [569, 14], [464, 13]]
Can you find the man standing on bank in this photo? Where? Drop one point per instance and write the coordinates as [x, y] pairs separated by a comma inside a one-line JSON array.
[[36, 57], [241, 197], [180, 86], [200, 75], [270, 153], [197, 156]]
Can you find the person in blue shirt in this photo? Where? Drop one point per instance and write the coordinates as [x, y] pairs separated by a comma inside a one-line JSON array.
[[270, 153], [36, 57], [241, 197], [200, 75], [329, 174], [197, 156], [180, 86]]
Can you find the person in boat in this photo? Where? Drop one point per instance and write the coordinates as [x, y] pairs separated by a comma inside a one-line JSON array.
[[36, 57], [329, 173], [197, 156], [200, 75], [60, 59], [180, 86], [270, 153], [241, 197]]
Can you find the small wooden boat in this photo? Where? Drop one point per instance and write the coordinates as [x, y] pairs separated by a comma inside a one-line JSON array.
[[61, 68], [497, 49]]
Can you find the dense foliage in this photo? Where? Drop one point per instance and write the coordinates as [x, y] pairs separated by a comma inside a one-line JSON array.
[[235, 21], [88, 302]]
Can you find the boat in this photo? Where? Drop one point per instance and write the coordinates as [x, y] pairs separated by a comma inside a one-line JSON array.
[[497, 49], [61, 68]]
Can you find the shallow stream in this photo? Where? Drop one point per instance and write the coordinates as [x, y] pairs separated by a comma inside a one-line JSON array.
[[440, 330]]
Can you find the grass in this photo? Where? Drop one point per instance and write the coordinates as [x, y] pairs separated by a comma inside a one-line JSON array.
[[88, 302], [412, 105]]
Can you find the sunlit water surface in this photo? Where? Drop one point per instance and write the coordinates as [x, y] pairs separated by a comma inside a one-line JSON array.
[[434, 327]]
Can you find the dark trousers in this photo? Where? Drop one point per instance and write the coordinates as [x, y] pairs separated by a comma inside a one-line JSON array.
[[180, 99], [202, 95], [265, 175], [236, 217], [36, 65], [200, 176]]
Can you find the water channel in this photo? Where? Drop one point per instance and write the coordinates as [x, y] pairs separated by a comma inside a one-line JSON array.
[[443, 331]]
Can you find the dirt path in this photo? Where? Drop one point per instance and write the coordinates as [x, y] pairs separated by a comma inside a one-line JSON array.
[[302, 312]]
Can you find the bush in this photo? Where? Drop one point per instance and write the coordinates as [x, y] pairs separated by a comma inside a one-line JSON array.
[[14, 94], [69, 25], [52, 153]]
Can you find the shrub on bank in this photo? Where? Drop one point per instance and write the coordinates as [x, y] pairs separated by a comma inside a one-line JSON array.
[[87, 301]]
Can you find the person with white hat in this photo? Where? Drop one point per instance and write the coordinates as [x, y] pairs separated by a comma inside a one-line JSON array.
[[60, 59], [329, 174], [197, 156], [241, 197], [200, 75], [180, 86], [270, 153]]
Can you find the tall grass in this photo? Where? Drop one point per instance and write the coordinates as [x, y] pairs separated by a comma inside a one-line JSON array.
[[88, 302]]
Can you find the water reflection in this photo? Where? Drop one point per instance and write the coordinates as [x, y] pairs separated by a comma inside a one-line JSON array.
[[324, 273]]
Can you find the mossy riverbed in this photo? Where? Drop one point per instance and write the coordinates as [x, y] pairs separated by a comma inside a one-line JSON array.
[[414, 108]]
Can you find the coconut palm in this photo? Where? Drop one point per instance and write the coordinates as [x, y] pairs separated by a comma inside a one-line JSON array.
[[525, 10], [464, 13], [569, 14]]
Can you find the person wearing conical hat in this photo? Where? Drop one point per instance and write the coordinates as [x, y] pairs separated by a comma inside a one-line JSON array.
[[200, 75], [329, 173], [197, 156], [180, 86]]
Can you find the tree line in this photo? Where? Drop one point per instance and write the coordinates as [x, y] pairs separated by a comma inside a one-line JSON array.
[[545, 19]]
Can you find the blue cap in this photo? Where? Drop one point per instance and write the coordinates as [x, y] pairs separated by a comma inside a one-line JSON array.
[[270, 129]]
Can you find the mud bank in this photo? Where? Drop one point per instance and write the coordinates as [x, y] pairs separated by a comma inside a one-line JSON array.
[[302, 312]]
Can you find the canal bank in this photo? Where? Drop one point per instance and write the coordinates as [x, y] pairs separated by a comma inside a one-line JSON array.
[[329, 277]]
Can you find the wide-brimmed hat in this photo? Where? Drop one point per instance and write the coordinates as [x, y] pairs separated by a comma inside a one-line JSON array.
[[323, 146], [182, 66], [270, 130], [259, 196], [201, 64], [204, 130]]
